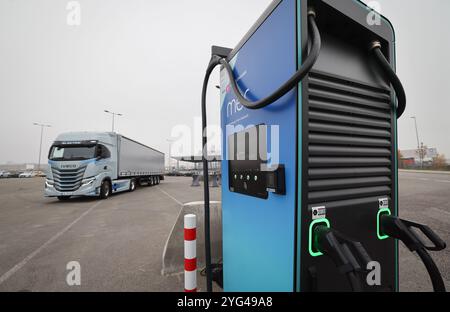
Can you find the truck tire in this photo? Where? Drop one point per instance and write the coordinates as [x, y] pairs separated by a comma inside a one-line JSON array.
[[132, 185], [150, 181], [157, 180], [63, 198], [105, 189]]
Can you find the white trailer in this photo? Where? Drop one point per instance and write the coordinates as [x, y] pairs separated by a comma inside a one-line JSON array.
[[136, 159], [99, 164]]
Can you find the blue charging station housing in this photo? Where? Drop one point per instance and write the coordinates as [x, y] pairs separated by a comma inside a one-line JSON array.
[[258, 245], [265, 240]]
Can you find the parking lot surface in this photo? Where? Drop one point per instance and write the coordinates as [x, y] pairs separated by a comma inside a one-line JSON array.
[[119, 242]]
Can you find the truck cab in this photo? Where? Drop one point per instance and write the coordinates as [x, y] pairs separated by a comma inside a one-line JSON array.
[[82, 164]]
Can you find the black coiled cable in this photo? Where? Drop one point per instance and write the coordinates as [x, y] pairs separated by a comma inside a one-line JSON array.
[[292, 82], [392, 76], [432, 269]]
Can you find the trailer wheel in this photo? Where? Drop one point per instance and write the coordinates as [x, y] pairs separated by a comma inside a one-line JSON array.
[[132, 185], [157, 180], [105, 189]]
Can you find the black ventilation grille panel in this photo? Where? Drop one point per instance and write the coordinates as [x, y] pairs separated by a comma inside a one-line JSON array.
[[349, 140]]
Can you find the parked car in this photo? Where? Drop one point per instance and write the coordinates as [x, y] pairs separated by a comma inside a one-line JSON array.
[[174, 173], [187, 173], [26, 174], [39, 174], [4, 174], [10, 174]]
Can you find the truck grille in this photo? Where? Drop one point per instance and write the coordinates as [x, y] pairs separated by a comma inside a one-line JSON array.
[[68, 180], [349, 140]]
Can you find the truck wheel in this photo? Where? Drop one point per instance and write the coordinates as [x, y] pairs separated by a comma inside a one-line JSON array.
[[157, 180], [63, 198], [105, 189], [150, 181], [132, 185]]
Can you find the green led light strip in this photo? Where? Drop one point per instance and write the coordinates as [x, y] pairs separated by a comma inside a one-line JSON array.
[[310, 239], [381, 212]]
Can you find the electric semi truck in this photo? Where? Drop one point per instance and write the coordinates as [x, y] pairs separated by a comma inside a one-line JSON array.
[[99, 164]]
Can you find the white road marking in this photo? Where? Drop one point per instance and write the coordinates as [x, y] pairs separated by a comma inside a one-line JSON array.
[[174, 224], [442, 181], [170, 196], [22, 263]]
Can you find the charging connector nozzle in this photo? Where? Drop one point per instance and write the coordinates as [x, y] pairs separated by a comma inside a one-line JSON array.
[[404, 230], [349, 256]]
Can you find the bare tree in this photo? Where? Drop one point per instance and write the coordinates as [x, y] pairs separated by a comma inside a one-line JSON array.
[[439, 162]]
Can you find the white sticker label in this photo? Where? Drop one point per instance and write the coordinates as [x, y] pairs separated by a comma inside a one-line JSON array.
[[319, 212], [383, 203]]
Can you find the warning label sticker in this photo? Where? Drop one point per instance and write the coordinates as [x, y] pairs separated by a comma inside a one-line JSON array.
[[319, 212], [383, 203]]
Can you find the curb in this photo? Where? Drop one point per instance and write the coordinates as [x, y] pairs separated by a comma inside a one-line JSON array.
[[173, 253], [424, 171]]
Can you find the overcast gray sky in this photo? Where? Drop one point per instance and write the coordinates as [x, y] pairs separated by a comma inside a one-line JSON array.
[[146, 59]]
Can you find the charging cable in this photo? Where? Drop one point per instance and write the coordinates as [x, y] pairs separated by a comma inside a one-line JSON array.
[[375, 47]]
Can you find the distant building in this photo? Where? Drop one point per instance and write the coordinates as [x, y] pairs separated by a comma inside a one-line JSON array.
[[412, 157]]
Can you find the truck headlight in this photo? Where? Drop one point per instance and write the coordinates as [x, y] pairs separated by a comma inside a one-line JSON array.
[[86, 182], [49, 183]]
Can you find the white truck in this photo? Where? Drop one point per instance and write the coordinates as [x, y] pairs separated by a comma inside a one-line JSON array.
[[99, 164]]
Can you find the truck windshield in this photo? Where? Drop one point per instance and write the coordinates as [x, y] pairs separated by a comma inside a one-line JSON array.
[[72, 152]]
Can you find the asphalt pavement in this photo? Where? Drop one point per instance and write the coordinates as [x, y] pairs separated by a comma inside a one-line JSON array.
[[119, 242], [424, 198]]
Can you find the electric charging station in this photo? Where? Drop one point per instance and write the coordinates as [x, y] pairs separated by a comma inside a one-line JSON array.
[[309, 189]]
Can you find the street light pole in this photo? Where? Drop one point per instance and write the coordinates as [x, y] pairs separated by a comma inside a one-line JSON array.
[[419, 150], [113, 117], [42, 126], [170, 152]]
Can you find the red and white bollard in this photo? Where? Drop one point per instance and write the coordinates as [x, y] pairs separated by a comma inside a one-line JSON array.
[[190, 253]]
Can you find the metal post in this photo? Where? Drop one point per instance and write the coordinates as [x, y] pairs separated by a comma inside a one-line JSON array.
[[40, 144], [113, 117], [170, 153], [40, 149], [419, 150], [422, 155], [190, 253]]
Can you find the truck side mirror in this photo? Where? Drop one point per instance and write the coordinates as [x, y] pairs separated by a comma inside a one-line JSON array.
[[99, 152], [102, 152]]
